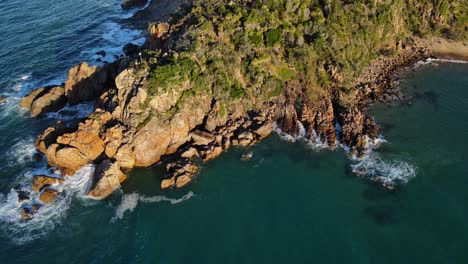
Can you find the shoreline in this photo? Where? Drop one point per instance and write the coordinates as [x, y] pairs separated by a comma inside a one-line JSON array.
[[121, 134], [450, 50]]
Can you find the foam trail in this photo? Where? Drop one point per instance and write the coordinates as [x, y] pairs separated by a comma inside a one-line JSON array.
[[130, 202]]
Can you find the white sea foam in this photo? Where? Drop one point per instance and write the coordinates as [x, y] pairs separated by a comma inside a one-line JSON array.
[[21, 152], [314, 142], [48, 217], [286, 136], [130, 202], [371, 165], [432, 60], [388, 172], [115, 37], [72, 112]]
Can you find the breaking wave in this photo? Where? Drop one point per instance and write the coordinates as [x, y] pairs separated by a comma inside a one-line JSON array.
[[48, 217], [314, 142], [389, 173], [21, 152], [114, 38], [130, 202]]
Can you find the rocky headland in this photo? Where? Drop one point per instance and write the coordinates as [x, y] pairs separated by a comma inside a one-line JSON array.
[[193, 91]]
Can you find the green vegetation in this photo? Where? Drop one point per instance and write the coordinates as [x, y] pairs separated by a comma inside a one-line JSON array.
[[244, 49]]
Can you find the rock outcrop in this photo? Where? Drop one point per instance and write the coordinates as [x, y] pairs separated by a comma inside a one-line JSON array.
[[70, 151], [179, 174], [85, 83], [45, 100], [106, 178], [158, 36]]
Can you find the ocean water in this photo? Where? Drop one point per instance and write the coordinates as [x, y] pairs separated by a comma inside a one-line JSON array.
[[293, 202]]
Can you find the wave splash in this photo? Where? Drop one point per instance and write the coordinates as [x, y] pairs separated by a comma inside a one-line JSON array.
[[373, 166], [130, 202], [388, 172], [314, 142], [48, 217]]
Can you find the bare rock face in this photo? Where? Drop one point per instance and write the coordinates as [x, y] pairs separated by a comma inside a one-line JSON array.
[[45, 100], [106, 178], [158, 36], [201, 137], [70, 151], [129, 4], [41, 181], [164, 136], [85, 83]]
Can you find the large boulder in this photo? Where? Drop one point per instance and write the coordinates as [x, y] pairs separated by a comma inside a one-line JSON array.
[[85, 83], [45, 100], [106, 178], [129, 4]]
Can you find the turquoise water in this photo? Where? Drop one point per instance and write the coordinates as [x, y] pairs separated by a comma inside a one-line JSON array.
[[289, 204]]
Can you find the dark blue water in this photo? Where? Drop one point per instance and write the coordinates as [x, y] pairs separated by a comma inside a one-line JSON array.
[[289, 204]]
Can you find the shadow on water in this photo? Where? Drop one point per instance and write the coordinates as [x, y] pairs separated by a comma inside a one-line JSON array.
[[375, 192], [430, 97], [381, 214]]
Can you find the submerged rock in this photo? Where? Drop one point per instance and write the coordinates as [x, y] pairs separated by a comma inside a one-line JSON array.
[[101, 53], [129, 4], [26, 213], [47, 195], [23, 195], [2, 100]]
